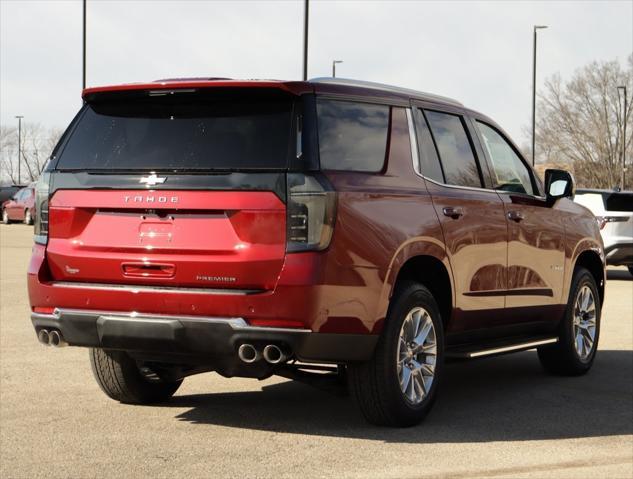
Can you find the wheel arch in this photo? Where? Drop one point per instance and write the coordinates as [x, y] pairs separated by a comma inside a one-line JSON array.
[[433, 274], [424, 262], [592, 261]]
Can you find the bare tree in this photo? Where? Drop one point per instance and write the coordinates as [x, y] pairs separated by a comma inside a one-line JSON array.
[[36, 147], [8, 154], [580, 123]]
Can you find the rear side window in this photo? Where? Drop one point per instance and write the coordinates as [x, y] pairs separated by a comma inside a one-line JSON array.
[[352, 136], [429, 161], [182, 132], [456, 154]]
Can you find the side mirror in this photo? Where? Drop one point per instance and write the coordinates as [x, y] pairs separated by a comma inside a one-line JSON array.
[[558, 184]]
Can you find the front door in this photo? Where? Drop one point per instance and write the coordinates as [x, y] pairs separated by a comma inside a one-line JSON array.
[[536, 254]]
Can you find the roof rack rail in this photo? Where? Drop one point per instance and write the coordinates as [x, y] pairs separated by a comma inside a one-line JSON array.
[[387, 88]]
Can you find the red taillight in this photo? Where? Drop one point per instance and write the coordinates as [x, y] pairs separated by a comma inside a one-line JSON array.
[[311, 213]]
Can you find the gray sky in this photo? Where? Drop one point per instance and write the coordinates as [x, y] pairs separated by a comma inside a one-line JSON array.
[[477, 52]]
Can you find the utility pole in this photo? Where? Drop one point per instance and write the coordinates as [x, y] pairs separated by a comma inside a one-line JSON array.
[[624, 111], [306, 11], [536, 27], [83, 82], [19, 117], [334, 62]]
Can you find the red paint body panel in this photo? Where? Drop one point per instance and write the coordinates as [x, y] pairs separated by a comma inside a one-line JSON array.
[[293, 302], [202, 239]]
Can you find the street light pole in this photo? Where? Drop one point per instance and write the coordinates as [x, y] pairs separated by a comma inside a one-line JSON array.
[[536, 27], [306, 11], [19, 117], [334, 62], [83, 82], [624, 110]]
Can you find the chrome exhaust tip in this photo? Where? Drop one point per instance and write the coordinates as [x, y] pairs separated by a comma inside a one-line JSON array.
[[43, 337], [248, 353], [55, 339], [274, 355]]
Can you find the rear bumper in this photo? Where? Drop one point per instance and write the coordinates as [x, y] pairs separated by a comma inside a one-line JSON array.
[[197, 338], [619, 254]]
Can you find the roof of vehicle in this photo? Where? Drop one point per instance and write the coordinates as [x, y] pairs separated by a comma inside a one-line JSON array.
[[336, 85], [598, 190]]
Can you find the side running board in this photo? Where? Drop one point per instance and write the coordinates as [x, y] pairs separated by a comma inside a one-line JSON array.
[[491, 350]]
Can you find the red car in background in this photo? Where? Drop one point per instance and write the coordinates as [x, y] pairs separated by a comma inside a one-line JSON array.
[[21, 207]]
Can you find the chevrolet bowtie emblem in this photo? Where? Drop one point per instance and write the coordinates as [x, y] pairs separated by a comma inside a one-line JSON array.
[[152, 179]]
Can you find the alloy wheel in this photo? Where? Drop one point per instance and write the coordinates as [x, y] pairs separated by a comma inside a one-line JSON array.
[[417, 355], [584, 323]]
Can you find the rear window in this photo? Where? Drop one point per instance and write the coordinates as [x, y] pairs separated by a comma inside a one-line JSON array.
[[352, 136], [618, 201], [182, 131]]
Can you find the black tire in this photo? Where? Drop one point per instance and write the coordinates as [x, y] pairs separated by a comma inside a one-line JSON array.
[[119, 377], [5, 217], [28, 217], [631, 270], [562, 358], [375, 384]]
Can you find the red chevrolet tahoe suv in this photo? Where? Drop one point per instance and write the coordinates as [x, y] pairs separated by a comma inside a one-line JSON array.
[[320, 231]]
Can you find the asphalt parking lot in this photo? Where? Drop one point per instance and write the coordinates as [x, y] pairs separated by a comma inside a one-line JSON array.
[[500, 417]]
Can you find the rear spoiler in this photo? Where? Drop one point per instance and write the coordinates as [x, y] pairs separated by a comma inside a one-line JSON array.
[[294, 88]]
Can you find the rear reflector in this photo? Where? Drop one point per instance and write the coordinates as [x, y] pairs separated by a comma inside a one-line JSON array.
[[43, 310], [276, 323]]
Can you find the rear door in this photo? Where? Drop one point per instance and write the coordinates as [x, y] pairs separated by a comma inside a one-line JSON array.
[[183, 190], [472, 217]]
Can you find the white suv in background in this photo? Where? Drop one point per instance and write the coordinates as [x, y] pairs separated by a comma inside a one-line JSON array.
[[614, 213]]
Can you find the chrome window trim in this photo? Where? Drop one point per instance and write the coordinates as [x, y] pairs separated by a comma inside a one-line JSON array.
[[415, 156]]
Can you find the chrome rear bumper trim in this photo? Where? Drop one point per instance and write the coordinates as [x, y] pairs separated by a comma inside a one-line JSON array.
[[152, 289], [237, 324]]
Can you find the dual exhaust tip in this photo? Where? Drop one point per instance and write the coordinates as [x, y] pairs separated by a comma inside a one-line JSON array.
[[51, 338], [272, 353]]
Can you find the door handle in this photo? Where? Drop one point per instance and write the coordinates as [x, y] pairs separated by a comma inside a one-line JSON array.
[[515, 216], [453, 212]]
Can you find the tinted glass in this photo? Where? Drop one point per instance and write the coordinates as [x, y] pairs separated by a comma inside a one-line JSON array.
[[458, 160], [429, 161], [182, 132], [352, 136], [618, 201], [509, 172]]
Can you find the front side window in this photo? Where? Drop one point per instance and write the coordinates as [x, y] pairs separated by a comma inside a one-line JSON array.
[[352, 136], [509, 172], [457, 157]]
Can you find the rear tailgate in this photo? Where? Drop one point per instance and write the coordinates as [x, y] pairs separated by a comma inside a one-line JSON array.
[[202, 239]]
